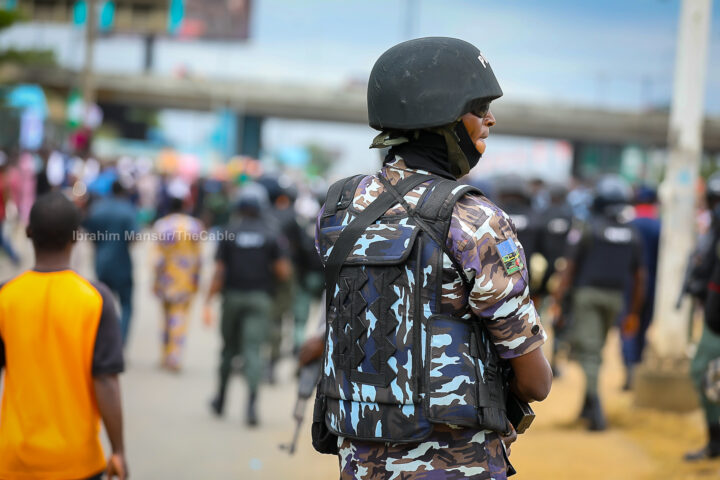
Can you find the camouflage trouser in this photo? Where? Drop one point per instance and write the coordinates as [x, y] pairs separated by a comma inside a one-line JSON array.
[[708, 350], [448, 454], [595, 311]]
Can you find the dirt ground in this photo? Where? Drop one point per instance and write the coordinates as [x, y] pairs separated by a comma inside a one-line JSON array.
[[639, 443]]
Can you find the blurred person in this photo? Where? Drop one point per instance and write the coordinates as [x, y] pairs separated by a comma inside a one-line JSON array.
[[705, 287], [282, 213], [426, 280], [216, 206], [21, 184], [43, 167], [111, 223], [5, 243], [555, 223], [604, 258], [633, 335], [580, 199], [539, 194], [53, 401], [177, 273], [249, 264]]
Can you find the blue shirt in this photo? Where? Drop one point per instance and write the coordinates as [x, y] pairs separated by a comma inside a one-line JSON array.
[[111, 224]]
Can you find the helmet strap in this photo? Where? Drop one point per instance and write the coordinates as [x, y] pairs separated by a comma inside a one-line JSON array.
[[386, 139]]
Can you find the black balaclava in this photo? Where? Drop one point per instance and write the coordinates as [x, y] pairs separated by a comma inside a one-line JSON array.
[[424, 151], [427, 150]]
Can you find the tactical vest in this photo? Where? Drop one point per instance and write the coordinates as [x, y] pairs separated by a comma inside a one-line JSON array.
[[396, 359], [608, 248]]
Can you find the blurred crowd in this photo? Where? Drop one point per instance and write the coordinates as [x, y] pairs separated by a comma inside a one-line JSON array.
[[581, 240]]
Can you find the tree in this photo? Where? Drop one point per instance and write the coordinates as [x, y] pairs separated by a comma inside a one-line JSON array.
[[21, 57]]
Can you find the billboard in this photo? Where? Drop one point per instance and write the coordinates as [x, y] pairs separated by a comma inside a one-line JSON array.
[[218, 19]]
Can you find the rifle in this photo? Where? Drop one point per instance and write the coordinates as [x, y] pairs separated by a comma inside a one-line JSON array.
[[309, 377]]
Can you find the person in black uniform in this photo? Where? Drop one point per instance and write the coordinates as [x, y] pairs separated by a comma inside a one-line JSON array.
[[708, 349], [555, 224], [249, 262], [282, 214], [604, 257]]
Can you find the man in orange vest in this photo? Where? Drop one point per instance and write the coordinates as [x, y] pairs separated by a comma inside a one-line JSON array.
[[61, 351]]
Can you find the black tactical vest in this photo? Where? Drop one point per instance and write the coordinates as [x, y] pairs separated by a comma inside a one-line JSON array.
[[396, 359]]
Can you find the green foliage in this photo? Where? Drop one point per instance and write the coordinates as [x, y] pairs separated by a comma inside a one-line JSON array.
[[8, 17], [321, 159], [27, 57], [22, 57]]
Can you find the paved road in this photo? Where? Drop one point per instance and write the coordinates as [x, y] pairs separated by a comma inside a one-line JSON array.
[[170, 431]]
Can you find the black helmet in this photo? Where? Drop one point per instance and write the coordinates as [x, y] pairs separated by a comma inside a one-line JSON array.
[[252, 198], [612, 190], [712, 189], [428, 82]]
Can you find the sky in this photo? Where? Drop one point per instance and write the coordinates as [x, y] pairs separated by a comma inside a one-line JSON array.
[[614, 53]]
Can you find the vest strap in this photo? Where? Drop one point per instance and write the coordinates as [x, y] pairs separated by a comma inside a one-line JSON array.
[[336, 199], [345, 242]]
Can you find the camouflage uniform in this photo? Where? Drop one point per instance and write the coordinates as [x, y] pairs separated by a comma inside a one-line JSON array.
[[499, 299]]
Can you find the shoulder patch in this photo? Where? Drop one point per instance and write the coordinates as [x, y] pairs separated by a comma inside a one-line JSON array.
[[510, 256]]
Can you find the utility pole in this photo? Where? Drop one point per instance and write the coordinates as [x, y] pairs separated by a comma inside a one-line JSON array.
[[411, 13], [668, 334], [88, 81]]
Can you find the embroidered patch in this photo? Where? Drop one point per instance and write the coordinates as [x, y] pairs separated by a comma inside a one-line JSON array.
[[510, 256]]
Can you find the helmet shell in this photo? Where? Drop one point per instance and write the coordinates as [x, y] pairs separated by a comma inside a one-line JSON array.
[[612, 190], [428, 82], [252, 197]]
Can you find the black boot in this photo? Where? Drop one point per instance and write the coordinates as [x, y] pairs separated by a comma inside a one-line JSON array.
[[252, 418], [585, 411], [217, 404], [709, 451], [597, 416], [627, 386], [592, 412]]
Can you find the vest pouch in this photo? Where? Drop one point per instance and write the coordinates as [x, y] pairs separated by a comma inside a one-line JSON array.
[[372, 367], [451, 372], [323, 440]]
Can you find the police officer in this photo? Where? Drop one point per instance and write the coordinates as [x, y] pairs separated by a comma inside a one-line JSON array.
[[646, 220], [555, 222], [427, 284], [281, 213], [250, 260], [708, 350], [604, 258]]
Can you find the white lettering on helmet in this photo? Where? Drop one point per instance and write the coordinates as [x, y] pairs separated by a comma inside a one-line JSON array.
[[483, 60]]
